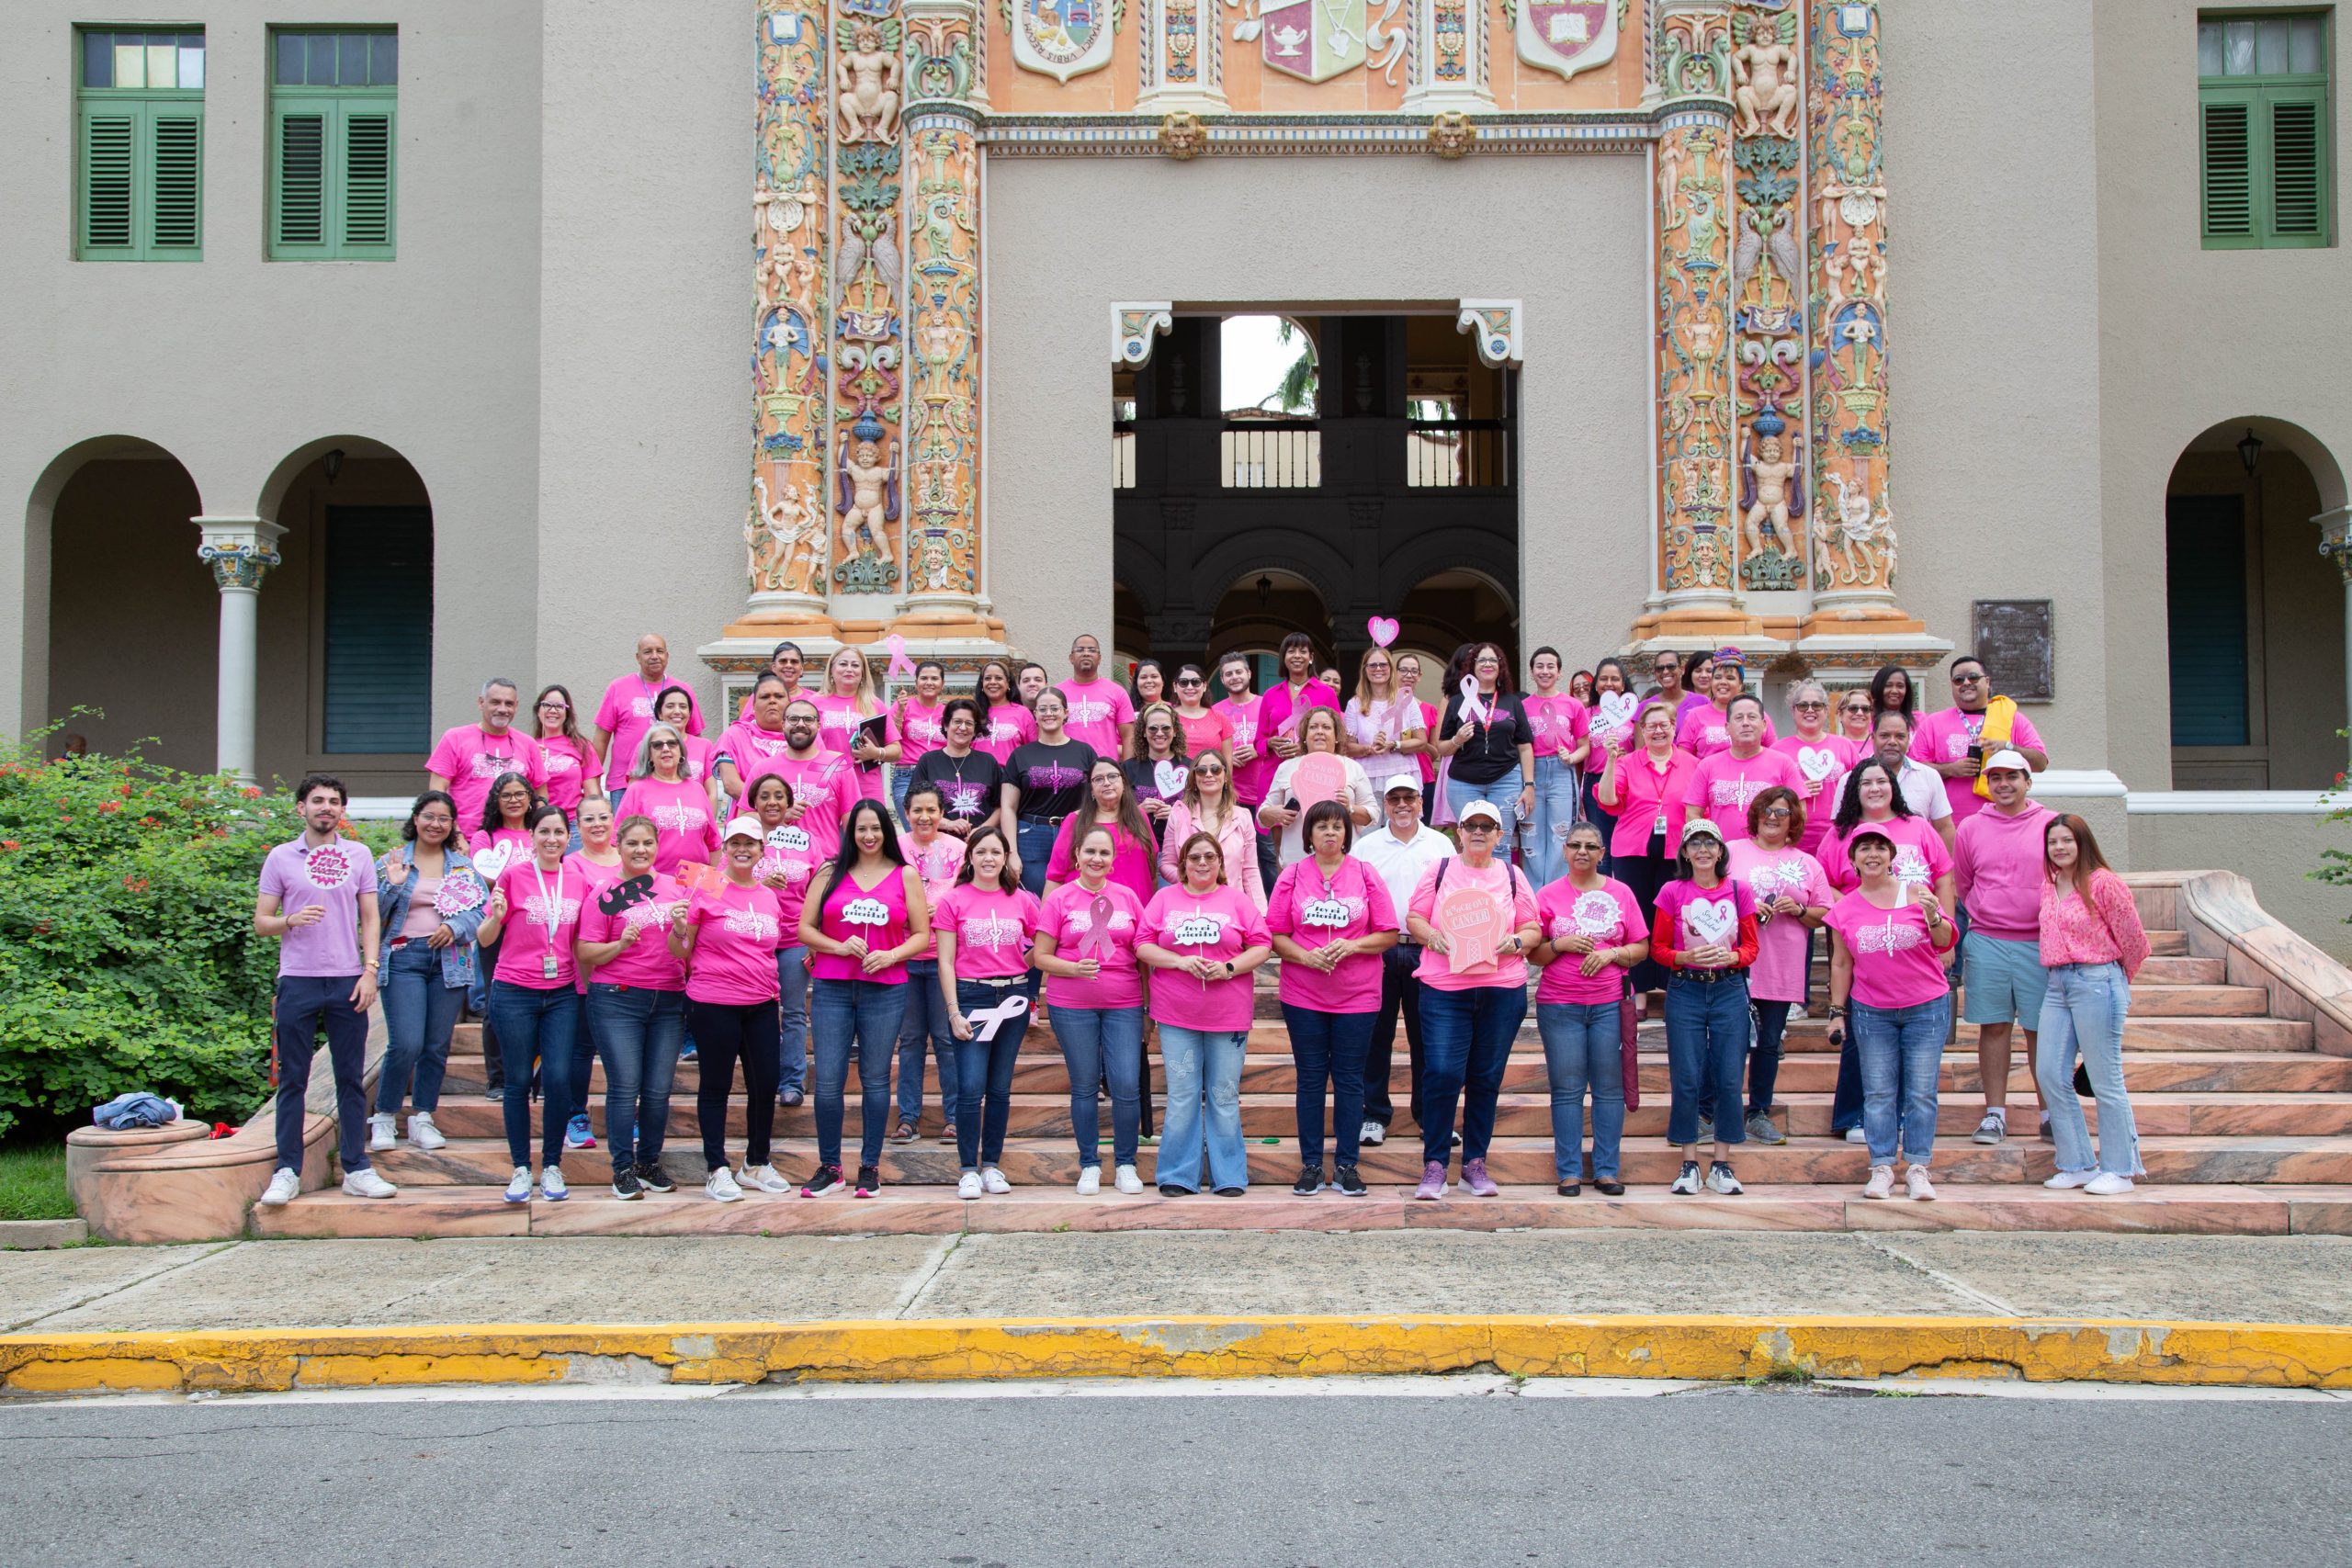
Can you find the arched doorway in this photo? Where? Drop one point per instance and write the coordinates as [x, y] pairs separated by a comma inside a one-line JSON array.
[[1260, 610], [1451, 607], [2254, 617]]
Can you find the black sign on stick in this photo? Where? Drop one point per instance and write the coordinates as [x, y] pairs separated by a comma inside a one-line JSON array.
[[2017, 642]]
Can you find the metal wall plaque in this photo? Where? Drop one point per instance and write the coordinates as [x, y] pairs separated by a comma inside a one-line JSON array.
[[2017, 642]]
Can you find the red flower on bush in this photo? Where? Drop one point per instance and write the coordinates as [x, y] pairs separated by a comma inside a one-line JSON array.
[[149, 822], [135, 883], [108, 807], [251, 793], [10, 844]]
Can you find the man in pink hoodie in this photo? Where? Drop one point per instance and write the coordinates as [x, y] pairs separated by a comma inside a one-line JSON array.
[[1998, 867]]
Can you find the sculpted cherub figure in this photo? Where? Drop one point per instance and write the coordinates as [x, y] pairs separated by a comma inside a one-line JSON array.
[[870, 498], [1764, 83], [1767, 497], [867, 80]]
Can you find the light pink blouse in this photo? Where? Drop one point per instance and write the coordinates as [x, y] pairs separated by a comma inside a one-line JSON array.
[[1237, 838]]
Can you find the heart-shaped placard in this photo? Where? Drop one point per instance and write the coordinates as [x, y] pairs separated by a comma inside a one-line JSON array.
[[1816, 762], [1384, 630], [1617, 709], [1169, 777], [1712, 920], [1320, 777], [491, 860]]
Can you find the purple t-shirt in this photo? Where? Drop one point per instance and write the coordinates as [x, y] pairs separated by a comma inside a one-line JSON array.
[[333, 876]]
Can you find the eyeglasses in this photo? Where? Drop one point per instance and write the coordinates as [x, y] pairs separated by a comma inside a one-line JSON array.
[[1480, 828], [1809, 707], [1210, 772], [1777, 814], [666, 746], [439, 819], [1187, 679], [556, 707]]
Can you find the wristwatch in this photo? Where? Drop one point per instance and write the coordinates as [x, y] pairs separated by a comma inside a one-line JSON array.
[[1231, 971]]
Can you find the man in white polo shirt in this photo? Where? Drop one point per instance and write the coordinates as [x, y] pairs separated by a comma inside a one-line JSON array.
[[1922, 786], [1399, 851]]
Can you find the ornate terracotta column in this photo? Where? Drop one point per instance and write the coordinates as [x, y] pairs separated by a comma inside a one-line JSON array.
[[1769, 280], [240, 550], [1445, 58], [1183, 58]]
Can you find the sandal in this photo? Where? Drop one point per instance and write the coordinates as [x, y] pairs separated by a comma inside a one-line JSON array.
[[905, 1134]]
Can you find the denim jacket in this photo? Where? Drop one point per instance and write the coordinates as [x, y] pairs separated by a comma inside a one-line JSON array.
[[457, 959]]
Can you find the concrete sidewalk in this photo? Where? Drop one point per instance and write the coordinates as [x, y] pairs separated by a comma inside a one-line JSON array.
[[801, 1280]]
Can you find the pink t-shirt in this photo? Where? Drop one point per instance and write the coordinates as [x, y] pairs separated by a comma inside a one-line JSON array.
[[1313, 909], [333, 876], [743, 709], [1609, 915], [1280, 712], [1782, 941], [1210, 732], [917, 729], [682, 827], [1920, 858], [1820, 763], [837, 720], [471, 759], [937, 864], [646, 962], [542, 916], [796, 852], [570, 764], [879, 913], [1895, 962], [623, 716], [1722, 785], [1704, 730], [737, 932], [1068, 918], [1501, 883], [1556, 723], [1646, 795], [1944, 737], [1997, 870], [1242, 715], [1097, 709], [1010, 724], [992, 930], [824, 785], [1132, 865], [1217, 925]]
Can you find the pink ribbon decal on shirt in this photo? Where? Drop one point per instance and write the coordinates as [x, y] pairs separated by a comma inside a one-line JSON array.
[[901, 667], [1096, 943]]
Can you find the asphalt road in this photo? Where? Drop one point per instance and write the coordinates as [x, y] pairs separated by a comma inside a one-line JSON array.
[[1715, 1477]]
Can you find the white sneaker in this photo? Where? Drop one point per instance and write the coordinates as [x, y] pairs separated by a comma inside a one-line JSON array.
[[422, 1133], [2067, 1181], [992, 1181], [283, 1188], [766, 1178], [1721, 1179], [519, 1189], [1127, 1182], [551, 1185], [1916, 1182], [968, 1186], [368, 1184], [1882, 1182], [2106, 1184], [1090, 1181], [1686, 1183], [721, 1188], [1372, 1134], [379, 1132], [1856, 1136]]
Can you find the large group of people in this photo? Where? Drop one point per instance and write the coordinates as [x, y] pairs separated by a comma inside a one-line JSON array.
[[915, 879]]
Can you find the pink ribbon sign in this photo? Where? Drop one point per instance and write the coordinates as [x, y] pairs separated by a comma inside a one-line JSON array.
[[1384, 630], [1096, 944], [1474, 709], [1319, 776], [1472, 928], [901, 667]]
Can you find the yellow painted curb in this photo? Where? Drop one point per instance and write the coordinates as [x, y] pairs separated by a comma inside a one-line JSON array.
[[2252, 1355]]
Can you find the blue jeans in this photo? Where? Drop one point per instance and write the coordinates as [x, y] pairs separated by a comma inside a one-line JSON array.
[[1034, 838], [1581, 1053], [307, 1004], [1543, 839], [984, 1067], [2084, 1010], [1204, 1064], [1706, 1043], [1328, 1049], [866, 1012], [902, 779], [420, 1016], [638, 1034], [1503, 793], [535, 1024], [792, 1014], [1902, 1049], [926, 1025], [1465, 1046], [1097, 1041], [1763, 1062]]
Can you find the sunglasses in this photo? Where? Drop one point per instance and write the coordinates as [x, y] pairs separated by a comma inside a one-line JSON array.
[[1212, 772], [1187, 679], [1480, 828], [1807, 707], [666, 746]]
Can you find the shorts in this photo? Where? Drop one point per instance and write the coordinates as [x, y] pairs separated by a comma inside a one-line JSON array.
[[2002, 980]]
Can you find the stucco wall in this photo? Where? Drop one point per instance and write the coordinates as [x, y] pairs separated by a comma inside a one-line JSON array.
[[1566, 235], [2274, 851]]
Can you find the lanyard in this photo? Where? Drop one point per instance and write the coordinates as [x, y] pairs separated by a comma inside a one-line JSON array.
[[554, 910]]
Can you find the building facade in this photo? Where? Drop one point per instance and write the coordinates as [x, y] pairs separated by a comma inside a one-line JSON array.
[[467, 340]]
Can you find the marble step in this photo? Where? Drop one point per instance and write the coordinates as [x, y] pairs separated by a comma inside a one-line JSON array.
[[2181, 972], [592, 1210], [2167, 944], [1050, 1160]]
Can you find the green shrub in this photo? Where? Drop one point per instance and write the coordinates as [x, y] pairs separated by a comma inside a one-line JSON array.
[[128, 958]]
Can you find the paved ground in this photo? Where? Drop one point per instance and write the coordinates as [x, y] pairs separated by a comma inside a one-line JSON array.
[[799, 1279], [1724, 1476]]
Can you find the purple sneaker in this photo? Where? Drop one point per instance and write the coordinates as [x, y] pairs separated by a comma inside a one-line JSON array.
[[1475, 1177], [1432, 1185]]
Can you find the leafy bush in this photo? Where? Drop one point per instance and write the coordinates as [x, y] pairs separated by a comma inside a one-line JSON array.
[[128, 958]]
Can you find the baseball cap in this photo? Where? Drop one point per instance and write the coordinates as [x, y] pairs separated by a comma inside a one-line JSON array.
[[745, 827], [1411, 786], [1701, 828], [1866, 831], [1484, 808], [2007, 757]]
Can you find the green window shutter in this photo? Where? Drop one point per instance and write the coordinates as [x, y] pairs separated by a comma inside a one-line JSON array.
[[367, 181], [379, 629], [110, 155], [2229, 171], [2299, 184], [177, 225], [2205, 619], [298, 195]]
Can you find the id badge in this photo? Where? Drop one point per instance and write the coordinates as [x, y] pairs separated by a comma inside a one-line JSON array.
[[1658, 829], [546, 967]]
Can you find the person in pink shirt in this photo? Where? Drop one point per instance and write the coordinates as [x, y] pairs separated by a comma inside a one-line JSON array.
[[1408, 678], [636, 1006], [628, 707], [2093, 942], [1996, 868], [1102, 714], [1886, 981], [1383, 724], [1009, 720], [787, 664], [1592, 937], [680, 807], [1793, 893], [1821, 758], [1284, 707], [1873, 799], [1956, 742], [787, 865], [1111, 805], [503, 835], [1645, 788], [1205, 729], [845, 711], [1725, 781], [1331, 919], [468, 757], [574, 770], [824, 784], [534, 919], [727, 935], [1561, 732], [936, 857], [1204, 939], [917, 727], [1704, 933], [1473, 1003], [1086, 948], [984, 926], [1706, 730]]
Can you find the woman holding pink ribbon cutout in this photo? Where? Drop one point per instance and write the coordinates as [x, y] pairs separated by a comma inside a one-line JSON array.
[[1208, 807], [432, 901], [1204, 939], [1485, 739], [1086, 946], [984, 927], [1887, 982], [1385, 730], [1111, 805], [1318, 773]]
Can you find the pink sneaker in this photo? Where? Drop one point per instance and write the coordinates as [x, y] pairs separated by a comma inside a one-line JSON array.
[[1475, 1177], [1432, 1185]]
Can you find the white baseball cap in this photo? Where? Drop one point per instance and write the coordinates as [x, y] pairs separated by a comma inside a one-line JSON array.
[[1484, 808], [2007, 758], [745, 827]]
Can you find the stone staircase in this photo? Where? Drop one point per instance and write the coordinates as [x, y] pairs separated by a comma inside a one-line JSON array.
[[2244, 1119]]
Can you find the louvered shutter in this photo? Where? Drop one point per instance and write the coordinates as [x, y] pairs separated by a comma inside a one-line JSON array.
[[299, 223], [2298, 165], [2205, 610], [2229, 171], [367, 179], [110, 155], [177, 140], [378, 629]]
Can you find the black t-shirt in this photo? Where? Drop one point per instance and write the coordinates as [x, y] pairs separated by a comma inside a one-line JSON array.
[[1494, 752], [968, 785], [1051, 779]]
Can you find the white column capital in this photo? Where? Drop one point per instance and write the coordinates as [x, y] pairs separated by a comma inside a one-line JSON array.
[[241, 551]]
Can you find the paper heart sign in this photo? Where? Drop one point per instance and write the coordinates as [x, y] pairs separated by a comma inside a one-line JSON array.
[[901, 667], [1617, 709], [1320, 777], [1384, 630], [1169, 777], [1712, 920], [624, 893], [1472, 709], [1817, 764], [493, 859], [1472, 928], [986, 1023]]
